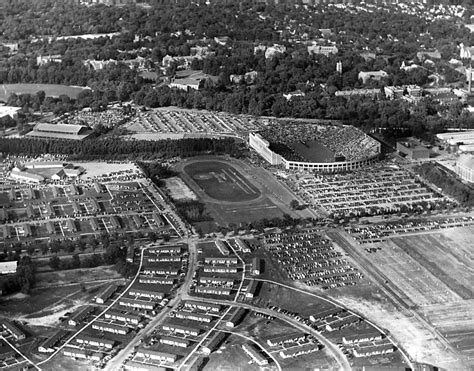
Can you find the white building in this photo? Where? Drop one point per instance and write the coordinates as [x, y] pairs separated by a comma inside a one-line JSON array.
[[24, 176], [465, 167]]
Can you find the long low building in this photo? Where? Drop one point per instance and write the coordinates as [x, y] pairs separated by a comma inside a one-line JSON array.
[[25, 176], [164, 258], [48, 346], [156, 280], [221, 260], [215, 340], [374, 350], [286, 339], [254, 353], [218, 281], [207, 307], [157, 355], [299, 351], [122, 317], [219, 269], [105, 294], [137, 304], [59, 131], [171, 249], [185, 330], [82, 354], [146, 293], [161, 270], [200, 317], [110, 327], [236, 317], [13, 329], [174, 342], [80, 315], [212, 290], [94, 341]]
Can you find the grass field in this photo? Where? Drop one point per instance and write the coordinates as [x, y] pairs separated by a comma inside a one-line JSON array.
[[222, 181], [51, 90]]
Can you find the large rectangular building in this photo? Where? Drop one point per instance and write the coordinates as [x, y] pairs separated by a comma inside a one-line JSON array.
[[59, 131]]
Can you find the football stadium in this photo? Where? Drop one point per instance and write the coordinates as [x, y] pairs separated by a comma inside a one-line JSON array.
[[322, 147]]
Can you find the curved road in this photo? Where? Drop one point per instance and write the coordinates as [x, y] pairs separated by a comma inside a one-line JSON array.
[[337, 353]]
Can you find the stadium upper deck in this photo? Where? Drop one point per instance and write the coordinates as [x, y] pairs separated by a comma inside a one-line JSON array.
[[323, 147]]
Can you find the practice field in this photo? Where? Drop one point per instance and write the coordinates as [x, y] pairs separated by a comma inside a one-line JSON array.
[[221, 181], [50, 90]]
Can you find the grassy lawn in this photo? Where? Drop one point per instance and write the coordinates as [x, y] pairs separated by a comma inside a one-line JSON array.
[[51, 90]]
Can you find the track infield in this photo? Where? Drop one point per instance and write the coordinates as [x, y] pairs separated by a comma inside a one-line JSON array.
[[221, 181]]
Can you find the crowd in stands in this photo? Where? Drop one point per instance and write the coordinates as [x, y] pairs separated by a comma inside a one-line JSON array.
[[345, 142]]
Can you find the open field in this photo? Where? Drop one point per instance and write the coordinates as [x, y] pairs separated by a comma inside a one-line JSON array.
[[429, 276], [77, 276], [221, 181], [51, 90]]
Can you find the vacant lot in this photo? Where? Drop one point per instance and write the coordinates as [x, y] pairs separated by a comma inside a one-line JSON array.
[[51, 90], [222, 181], [435, 272]]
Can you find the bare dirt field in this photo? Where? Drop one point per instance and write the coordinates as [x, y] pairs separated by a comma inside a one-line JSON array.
[[433, 273], [179, 190], [95, 169]]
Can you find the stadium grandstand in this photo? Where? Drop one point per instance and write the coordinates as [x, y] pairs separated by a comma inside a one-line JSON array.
[[314, 146], [59, 131]]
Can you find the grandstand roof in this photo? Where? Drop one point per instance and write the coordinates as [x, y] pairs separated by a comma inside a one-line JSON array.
[[63, 128], [59, 131]]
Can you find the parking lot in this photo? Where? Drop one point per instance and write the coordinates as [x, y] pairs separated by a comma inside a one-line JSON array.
[[375, 191], [308, 257]]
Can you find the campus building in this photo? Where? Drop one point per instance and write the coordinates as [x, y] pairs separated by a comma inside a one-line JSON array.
[[412, 149]]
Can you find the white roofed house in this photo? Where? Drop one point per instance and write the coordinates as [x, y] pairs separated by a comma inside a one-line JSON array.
[[374, 75]]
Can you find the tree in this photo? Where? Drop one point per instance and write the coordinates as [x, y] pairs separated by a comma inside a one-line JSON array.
[[54, 262], [294, 204]]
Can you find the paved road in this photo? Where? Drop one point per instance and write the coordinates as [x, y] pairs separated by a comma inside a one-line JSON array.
[[116, 363]]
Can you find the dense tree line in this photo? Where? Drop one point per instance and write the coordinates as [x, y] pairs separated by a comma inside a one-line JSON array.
[[23, 280], [156, 170], [448, 182], [117, 149]]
